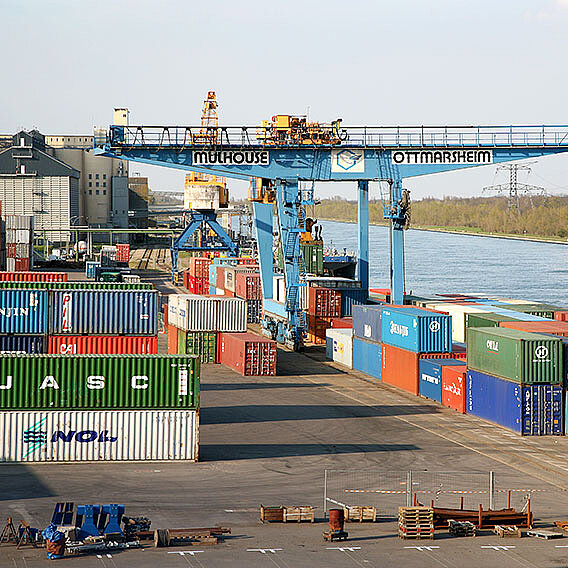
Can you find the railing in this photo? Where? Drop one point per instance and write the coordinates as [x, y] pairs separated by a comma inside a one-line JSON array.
[[183, 137]]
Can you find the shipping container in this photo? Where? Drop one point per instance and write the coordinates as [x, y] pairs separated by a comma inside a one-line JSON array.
[[33, 276], [541, 310], [172, 339], [75, 286], [19, 222], [487, 319], [182, 342], [232, 315], [123, 252], [24, 311], [367, 357], [552, 326], [400, 367], [206, 313], [342, 323], [90, 268], [220, 280], [202, 344], [246, 353], [196, 285], [367, 322], [324, 302], [352, 297], [561, 315], [247, 285], [102, 344], [313, 257], [454, 387], [98, 381], [30, 344], [199, 266], [517, 355], [339, 346], [128, 312], [430, 376], [22, 264], [531, 410], [94, 435], [254, 311], [459, 313], [416, 330], [213, 275], [317, 327]]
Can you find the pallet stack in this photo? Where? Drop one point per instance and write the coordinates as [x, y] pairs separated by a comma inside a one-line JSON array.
[[416, 522]]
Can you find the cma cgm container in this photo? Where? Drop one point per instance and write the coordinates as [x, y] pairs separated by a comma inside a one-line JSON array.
[[531, 410], [30, 344], [246, 353], [95, 435], [23, 311], [517, 355], [430, 376], [454, 387], [102, 344], [367, 322], [104, 312], [416, 330], [34, 276], [339, 346], [98, 381], [367, 357]]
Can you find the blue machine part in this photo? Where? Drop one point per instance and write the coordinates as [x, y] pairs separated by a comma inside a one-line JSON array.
[[530, 410], [416, 330], [87, 518], [430, 376], [367, 357], [114, 513]]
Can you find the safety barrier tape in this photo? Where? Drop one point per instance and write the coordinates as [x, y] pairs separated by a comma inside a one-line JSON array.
[[459, 492]]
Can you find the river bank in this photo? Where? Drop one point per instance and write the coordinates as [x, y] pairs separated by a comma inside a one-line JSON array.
[[467, 232]]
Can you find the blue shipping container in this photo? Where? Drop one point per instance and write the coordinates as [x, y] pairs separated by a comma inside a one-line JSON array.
[[367, 357], [213, 275], [104, 312], [90, 268], [23, 311], [531, 410], [416, 330], [351, 297], [32, 344], [564, 341], [430, 376], [367, 322], [514, 314]]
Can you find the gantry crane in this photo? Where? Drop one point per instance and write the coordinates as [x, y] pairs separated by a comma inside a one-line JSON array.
[[356, 154]]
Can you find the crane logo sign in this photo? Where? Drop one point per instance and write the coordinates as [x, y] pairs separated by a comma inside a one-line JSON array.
[[348, 160]]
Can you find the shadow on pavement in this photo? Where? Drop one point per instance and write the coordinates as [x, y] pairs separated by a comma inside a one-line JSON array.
[[18, 481], [276, 412], [221, 452], [246, 386]]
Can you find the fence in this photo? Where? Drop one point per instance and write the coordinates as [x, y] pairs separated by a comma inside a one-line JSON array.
[[389, 490]]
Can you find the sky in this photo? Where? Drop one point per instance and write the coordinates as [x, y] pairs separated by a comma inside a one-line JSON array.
[[68, 63]]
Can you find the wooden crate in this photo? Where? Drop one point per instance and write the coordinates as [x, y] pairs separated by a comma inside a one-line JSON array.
[[271, 514], [299, 514], [360, 514]]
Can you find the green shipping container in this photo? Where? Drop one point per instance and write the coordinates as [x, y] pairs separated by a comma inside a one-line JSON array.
[[516, 355], [313, 257], [182, 342], [126, 382], [541, 310], [203, 344], [6, 285], [485, 319]]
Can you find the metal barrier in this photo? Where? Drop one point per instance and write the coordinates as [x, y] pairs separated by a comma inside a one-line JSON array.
[[389, 490]]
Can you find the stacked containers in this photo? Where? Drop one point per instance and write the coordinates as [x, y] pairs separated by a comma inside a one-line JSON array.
[[515, 379], [248, 287], [33, 276], [367, 340], [19, 243], [430, 376], [323, 305], [123, 253], [196, 278]]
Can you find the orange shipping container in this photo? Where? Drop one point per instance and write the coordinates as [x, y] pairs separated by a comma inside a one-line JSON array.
[[453, 387], [102, 344], [316, 329], [172, 340], [552, 326], [561, 316]]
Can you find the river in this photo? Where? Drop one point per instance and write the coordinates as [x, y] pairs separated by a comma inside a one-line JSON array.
[[448, 263]]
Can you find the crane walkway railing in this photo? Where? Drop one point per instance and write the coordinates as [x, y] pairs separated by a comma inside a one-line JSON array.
[[182, 138]]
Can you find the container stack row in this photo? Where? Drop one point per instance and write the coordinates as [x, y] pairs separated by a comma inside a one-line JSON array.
[[19, 242], [498, 359]]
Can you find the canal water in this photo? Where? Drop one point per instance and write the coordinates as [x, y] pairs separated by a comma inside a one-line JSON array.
[[448, 263]]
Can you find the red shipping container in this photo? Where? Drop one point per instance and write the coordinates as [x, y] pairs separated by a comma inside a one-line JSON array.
[[11, 250], [122, 252], [561, 316], [317, 327], [400, 367], [172, 340], [220, 282], [33, 276], [22, 264], [342, 323], [324, 302], [453, 387], [246, 260], [229, 294], [165, 318], [102, 344], [246, 353], [199, 266], [198, 285], [552, 326], [247, 285]]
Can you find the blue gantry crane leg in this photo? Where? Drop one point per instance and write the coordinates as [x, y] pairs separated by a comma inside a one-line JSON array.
[[363, 234]]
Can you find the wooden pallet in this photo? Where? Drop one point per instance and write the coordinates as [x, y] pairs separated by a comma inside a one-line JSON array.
[[271, 514], [461, 528], [507, 532], [360, 514], [415, 522], [547, 535], [299, 514]]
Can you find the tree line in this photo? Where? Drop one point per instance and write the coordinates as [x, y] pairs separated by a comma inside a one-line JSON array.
[[544, 217]]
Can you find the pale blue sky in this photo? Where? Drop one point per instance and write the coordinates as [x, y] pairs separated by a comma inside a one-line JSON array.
[[69, 62]]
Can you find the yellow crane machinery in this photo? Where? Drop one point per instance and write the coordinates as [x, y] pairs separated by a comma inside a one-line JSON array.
[[285, 129], [209, 132]]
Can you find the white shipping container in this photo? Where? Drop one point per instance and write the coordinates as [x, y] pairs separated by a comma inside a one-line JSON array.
[[278, 288], [192, 312], [93, 435], [10, 264], [219, 292], [232, 314], [458, 313], [23, 236], [197, 313], [341, 345], [20, 222]]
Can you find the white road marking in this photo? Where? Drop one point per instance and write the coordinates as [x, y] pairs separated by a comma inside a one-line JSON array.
[[497, 547], [264, 550], [422, 548], [184, 552], [344, 548]]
